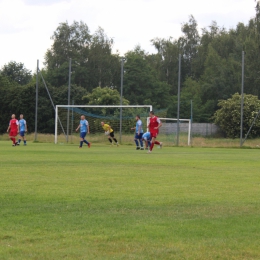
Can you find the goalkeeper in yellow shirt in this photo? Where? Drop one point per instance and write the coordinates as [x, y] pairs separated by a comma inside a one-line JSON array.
[[110, 132]]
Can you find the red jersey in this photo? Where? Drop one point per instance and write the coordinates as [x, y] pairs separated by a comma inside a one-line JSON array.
[[13, 125], [154, 122]]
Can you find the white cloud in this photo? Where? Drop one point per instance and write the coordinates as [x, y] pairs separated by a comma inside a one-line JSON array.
[[27, 25], [26, 30]]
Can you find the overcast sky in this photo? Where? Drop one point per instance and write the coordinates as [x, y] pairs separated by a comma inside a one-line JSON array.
[[27, 25]]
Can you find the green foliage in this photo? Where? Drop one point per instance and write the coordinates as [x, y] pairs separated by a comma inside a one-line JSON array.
[[21, 100], [17, 100], [228, 117], [221, 78], [103, 67], [16, 72], [141, 85], [69, 41], [210, 71], [188, 44], [109, 96], [165, 62], [104, 96], [4, 82], [191, 96], [92, 61]]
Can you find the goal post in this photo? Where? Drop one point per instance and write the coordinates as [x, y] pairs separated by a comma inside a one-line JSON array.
[[95, 114], [168, 130]]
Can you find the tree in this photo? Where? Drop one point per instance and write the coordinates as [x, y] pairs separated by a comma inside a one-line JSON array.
[[104, 67], [221, 78], [17, 100], [92, 61], [69, 41], [141, 84], [104, 96], [191, 91], [188, 45], [165, 62], [252, 57], [16, 72], [228, 117], [208, 36], [257, 21]]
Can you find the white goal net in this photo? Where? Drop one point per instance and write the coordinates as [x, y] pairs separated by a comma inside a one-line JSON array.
[[120, 118], [168, 133]]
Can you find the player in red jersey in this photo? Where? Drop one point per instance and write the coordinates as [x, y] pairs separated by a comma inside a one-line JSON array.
[[14, 129], [154, 125]]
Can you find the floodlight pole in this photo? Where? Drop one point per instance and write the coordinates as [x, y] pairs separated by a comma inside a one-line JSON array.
[[36, 101], [242, 99], [191, 118], [68, 112], [178, 110], [121, 97], [72, 121]]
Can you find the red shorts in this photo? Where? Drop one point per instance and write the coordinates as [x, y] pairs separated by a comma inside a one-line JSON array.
[[13, 133], [153, 134]]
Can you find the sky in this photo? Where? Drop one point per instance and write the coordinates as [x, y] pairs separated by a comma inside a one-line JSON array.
[[26, 26]]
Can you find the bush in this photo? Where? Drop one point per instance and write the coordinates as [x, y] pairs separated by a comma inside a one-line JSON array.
[[228, 117]]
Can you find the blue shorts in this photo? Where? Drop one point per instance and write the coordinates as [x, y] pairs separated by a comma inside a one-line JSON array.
[[22, 133], [148, 140], [140, 136], [83, 134]]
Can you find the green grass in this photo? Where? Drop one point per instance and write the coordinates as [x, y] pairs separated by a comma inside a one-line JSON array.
[[61, 202]]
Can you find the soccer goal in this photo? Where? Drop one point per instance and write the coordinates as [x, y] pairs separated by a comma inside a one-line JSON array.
[[168, 131], [120, 118]]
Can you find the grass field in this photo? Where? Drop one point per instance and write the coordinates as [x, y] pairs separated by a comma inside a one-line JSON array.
[[61, 202], [197, 141]]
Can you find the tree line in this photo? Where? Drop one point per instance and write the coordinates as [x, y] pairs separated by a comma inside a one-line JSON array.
[[210, 71]]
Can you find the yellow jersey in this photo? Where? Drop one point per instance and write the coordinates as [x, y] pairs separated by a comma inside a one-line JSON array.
[[107, 127]]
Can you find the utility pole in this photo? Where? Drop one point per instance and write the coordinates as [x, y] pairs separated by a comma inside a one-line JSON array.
[[68, 112], [242, 100], [121, 96], [36, 101], [178, 110]]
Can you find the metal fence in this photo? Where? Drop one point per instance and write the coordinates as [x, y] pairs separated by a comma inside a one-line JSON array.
[[203, 129]]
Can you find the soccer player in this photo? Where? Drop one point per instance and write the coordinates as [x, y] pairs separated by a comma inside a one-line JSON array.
[[147, 139], [154, 125], [110, 132], [14, 129], [22, 129], [84, 130], [138, 133]]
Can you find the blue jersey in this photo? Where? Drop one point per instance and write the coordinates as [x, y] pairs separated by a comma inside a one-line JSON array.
[[22, 125], [83, 126], [139, 124], [147, 136]]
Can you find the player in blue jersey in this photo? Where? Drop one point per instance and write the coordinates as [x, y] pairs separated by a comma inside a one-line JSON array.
[[147, 139], [138, 133], [84, 130], [22, 129]]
